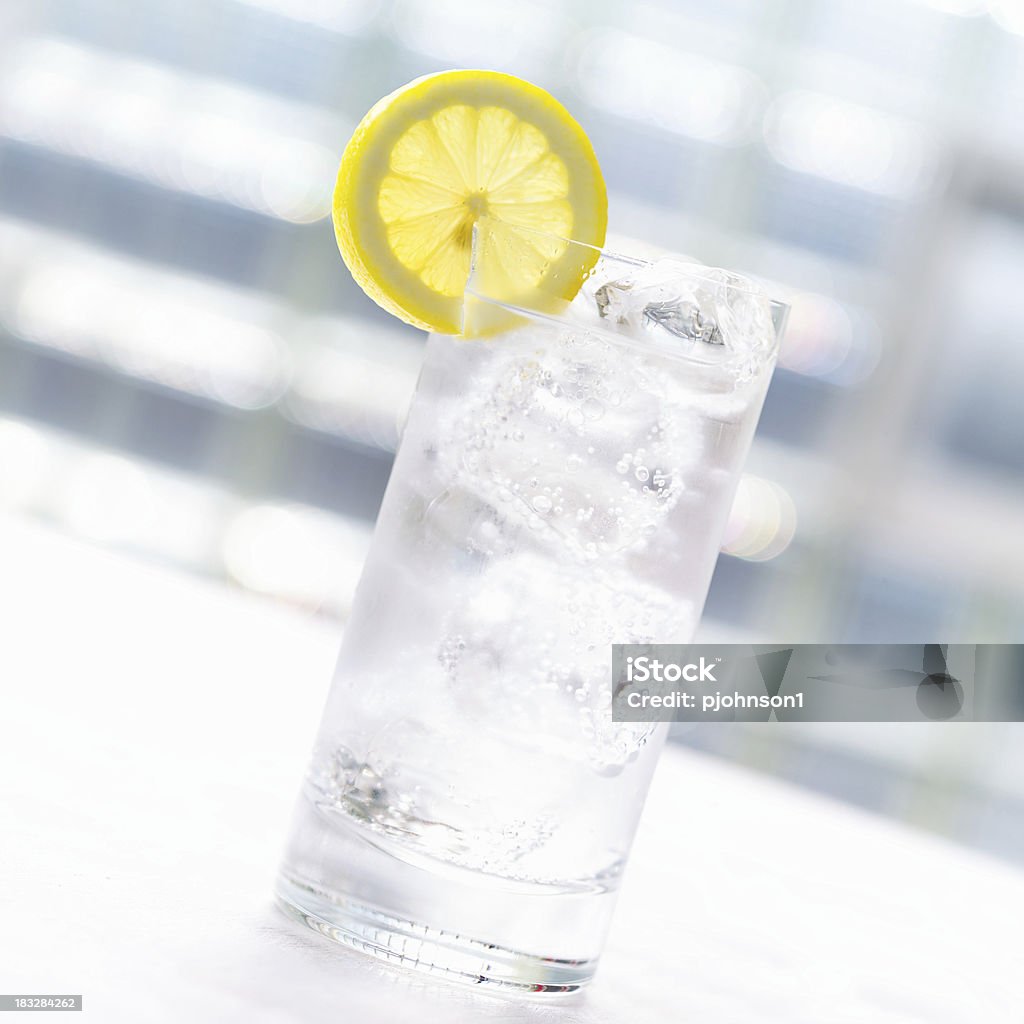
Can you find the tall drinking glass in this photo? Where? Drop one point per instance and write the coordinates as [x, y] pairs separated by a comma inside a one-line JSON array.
[[562, 484]]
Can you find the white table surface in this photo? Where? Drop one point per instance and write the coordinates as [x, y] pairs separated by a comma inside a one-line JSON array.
[[154, 731]]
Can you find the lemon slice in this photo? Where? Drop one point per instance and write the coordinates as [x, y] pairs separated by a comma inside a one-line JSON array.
[[438, 154]]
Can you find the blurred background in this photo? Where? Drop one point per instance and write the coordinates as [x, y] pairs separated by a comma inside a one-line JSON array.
[[189, 376]]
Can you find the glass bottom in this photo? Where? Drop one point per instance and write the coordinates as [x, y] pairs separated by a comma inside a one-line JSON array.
[[431, 950], [380, 895]]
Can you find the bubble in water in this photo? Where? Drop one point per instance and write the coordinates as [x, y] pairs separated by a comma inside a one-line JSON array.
[[642, 473], [573, 463], [542, 504]]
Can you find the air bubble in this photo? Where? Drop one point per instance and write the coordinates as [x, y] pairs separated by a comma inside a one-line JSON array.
[[542, 504]]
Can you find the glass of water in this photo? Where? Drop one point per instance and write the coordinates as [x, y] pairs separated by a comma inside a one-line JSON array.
[[562, 484]]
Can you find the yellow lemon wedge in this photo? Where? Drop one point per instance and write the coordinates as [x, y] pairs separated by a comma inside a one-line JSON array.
[[440, 153]]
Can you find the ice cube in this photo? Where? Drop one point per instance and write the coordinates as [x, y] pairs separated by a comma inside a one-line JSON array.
[[542, 670], [572, 443], [727, 319]]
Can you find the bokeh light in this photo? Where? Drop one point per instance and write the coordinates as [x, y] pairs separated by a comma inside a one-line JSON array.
[[180, 131], [762, 521], [850, 143], [675, 90]]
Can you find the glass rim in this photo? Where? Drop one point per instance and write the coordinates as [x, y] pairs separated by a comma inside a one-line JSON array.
[[554, 299], [693, 269]]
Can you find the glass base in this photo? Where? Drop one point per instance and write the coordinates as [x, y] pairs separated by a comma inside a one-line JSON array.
[[431, 950]]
